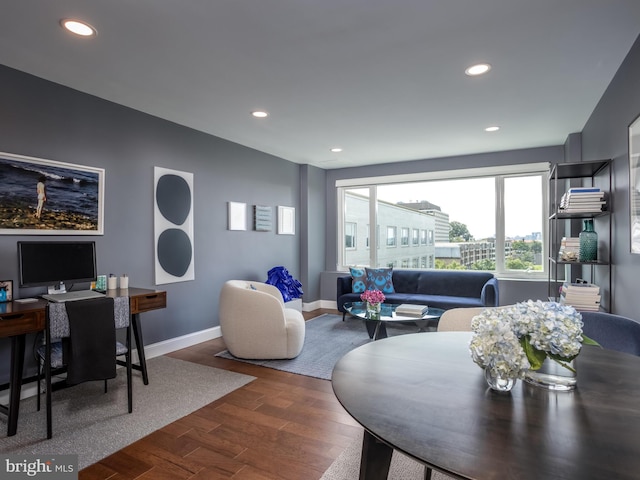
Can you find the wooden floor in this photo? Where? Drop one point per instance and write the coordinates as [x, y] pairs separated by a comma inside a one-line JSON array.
[[280, 426]]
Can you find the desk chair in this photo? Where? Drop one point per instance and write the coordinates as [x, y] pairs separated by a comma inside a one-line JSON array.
[[613, 332], [80, 339]]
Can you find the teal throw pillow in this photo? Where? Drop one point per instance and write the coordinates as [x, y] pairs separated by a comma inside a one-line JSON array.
[[380, 279], [359, 279]]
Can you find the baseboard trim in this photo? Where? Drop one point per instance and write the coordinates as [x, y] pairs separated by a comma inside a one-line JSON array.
[[311, 306], [328, 304], [178, 343]]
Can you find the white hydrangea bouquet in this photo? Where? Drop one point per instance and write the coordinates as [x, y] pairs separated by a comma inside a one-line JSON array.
[[513, 340]]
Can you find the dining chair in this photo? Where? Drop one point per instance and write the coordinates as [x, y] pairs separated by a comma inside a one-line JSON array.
[[613, 332], [458, 319], [80, 339]]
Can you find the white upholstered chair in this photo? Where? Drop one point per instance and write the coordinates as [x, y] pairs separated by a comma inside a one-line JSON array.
[[458, 319], [255, 323]]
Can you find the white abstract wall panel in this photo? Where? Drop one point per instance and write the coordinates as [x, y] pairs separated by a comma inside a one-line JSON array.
[[173, 226]]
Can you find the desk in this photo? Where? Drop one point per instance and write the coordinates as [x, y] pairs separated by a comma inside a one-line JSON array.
[[422, 395], [19, 319], [16, 321]]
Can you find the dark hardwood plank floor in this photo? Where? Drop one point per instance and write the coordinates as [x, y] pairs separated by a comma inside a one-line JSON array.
[[281, 426]]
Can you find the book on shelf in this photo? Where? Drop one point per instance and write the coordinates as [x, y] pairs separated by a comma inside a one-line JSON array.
[[581, 298], [581, 288], [581, 295], [594, 201], [583, 198], [412, 310], [586, 306], [594, 209], [583, 189]]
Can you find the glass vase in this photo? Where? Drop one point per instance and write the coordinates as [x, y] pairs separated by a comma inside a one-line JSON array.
[[553, 376], [588, 242], [373, 311], [498, 383]]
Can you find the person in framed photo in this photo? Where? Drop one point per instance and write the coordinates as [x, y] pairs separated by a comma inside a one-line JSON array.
[[42, 195]]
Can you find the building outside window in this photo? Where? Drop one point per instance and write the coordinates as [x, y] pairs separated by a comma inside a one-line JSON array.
[[423, 237], [415, 237]]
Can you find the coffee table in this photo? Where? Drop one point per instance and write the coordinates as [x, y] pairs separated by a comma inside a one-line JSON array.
[[377, 327]]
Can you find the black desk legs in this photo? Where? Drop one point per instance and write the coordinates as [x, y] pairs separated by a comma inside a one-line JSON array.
[[376, 458], [17, 365], [137, 334]]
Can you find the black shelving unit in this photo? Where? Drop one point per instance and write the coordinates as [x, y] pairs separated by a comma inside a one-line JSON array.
[[588, 174]]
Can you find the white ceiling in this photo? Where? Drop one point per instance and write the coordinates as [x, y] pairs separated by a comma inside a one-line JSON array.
[[383, 79]]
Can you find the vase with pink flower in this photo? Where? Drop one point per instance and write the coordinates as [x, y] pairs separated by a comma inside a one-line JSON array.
[[373, 299]]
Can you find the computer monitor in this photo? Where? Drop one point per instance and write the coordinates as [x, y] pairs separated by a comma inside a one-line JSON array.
[[52, 264]]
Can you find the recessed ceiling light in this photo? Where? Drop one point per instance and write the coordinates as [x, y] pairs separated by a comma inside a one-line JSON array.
[[478, 69], [260, 114], [336, 149], [494, 128], [79, 28]]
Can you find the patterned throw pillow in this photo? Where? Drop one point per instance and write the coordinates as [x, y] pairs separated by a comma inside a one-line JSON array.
[[359, 277], [380, 279]]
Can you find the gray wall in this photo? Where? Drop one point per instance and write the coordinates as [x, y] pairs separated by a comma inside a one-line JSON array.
[[42, 119], [606, 136], [312, 230]]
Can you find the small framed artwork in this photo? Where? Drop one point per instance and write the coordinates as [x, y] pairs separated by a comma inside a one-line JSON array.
[[237, 216], [262, 218], [47, 197], [634, 184], [286, 220], [6, 291]]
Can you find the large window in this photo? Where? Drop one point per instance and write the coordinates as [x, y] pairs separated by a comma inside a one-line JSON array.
[[491, 219]]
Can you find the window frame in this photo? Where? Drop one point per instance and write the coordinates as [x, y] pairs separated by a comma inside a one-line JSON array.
[[404, 240], [394, 237], [498, 172]]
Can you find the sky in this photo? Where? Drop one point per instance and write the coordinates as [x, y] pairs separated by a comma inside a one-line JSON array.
[[467, 201]]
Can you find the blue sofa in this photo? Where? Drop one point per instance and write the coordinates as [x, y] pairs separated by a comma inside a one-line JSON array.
[[444, 289]]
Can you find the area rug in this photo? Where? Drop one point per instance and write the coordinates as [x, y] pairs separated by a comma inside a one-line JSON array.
[[93, 425], [327, 340], [347, 466]]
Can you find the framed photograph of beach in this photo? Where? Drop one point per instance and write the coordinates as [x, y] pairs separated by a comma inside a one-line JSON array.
[[47, 197]]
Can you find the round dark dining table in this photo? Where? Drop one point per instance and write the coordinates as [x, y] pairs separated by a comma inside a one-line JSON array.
[[421, 394]]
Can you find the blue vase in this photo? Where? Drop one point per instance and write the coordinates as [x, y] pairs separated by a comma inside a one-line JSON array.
[[588, 242]]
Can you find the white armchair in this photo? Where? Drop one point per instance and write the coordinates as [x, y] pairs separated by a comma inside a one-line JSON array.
[[255, 323]]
